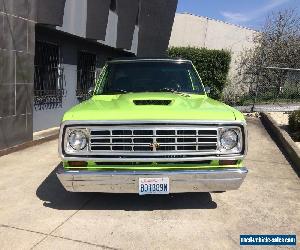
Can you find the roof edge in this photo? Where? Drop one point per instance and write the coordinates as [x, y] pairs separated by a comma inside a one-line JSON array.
[[216, 20]]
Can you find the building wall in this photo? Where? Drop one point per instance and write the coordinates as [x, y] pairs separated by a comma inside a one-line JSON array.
[[70, 46], [51, 117], [139, 26], [17, 22], [109, 27], [124, 26], [155, 24], [197, 31]]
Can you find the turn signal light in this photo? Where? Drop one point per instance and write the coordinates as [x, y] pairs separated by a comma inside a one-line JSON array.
[[77, 163], [228, 162]]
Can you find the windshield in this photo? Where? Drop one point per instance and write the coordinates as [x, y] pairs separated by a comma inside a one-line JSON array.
[[126, 77]]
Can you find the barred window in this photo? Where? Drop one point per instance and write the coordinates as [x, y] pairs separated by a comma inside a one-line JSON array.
[[86, 71], [48, 76]]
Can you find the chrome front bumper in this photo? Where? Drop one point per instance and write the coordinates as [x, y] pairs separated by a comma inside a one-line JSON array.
[[181, 181]]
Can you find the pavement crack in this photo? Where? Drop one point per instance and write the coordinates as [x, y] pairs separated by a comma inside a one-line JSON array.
[[85, 242], [67, 219], [269, 162], [22, 229], [59, 237]]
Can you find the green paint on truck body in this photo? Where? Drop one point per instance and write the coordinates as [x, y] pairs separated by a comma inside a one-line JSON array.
[[122, 107]]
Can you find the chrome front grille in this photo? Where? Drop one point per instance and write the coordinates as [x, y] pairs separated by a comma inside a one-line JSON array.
[[151, 141], [157, 139]]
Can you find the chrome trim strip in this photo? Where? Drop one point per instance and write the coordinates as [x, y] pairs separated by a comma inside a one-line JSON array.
[[127, 181], [109, 159], [145, 153], [130, 122]]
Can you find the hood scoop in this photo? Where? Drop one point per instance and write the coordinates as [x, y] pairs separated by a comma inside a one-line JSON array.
[[152, 102]]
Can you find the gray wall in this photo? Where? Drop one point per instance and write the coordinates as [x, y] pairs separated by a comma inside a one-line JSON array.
[[127, 11], [74, 17], [49, 12], [69, 45], [97, 17], [17, 22], [139, 26], [155, 24]]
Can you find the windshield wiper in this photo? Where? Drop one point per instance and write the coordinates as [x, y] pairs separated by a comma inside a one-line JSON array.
[[175, 91], [116, 91]]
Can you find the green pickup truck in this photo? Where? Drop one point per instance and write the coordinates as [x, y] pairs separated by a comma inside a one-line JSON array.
[[150, 128]]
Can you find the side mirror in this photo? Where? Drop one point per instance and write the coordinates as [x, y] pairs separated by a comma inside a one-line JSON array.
[[91, 91], [207, 90]]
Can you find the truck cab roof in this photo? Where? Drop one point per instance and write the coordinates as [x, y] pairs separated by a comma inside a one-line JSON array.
[[149, 59]]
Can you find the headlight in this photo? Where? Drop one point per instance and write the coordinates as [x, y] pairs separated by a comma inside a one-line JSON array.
[[77, 140], [231, 140]]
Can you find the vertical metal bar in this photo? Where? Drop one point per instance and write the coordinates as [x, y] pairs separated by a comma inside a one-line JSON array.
[[48, 89]]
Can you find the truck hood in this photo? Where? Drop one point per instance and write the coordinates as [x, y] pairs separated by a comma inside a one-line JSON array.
[[151, 106]]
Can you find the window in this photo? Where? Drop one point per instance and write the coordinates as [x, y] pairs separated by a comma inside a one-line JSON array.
[[152, 76], [86, 70], [48, 76]]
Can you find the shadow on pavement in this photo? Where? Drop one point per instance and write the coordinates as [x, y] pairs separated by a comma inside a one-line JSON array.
[[55, 196]]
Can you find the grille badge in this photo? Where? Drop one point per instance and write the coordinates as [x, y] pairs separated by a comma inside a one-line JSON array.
[[154, 146]]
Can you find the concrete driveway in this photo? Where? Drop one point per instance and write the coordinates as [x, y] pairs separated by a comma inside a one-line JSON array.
[[36, 212]]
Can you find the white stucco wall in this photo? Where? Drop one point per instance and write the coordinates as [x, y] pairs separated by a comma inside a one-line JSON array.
[[188, 30], [203, 32]]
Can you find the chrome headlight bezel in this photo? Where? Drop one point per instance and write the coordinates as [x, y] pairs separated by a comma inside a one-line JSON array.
[[238, 147], [67, 144]]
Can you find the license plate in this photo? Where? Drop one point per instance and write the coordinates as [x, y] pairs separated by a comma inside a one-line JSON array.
[[153, 186]]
